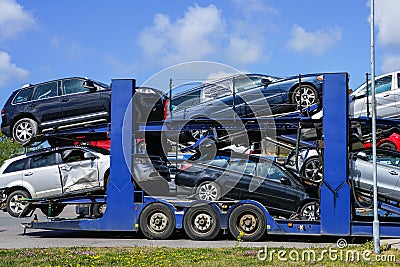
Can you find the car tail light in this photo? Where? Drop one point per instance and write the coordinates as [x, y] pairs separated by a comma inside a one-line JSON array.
[[165, 109], [185, 166], [3, 111]]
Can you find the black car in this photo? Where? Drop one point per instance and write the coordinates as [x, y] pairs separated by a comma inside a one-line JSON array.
[[231, 176], [66, 103]]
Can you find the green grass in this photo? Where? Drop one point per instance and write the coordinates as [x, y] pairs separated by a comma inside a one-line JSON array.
[[153, 256]]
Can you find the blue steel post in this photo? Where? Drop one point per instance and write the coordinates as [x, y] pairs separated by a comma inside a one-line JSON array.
[[119, 214], [335, 193]]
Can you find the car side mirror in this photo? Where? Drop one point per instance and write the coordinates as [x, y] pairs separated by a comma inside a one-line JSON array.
[[89, 155], [265, 81], [360, 96], [362, 155], [89, 85], [285, 181]]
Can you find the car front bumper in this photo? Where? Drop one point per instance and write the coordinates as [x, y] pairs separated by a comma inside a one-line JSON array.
[[6, 130], [3, 199]]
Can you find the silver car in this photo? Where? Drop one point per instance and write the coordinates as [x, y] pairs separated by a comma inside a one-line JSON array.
[[360, 170], [388, 172], [51, 173], [387, 97]]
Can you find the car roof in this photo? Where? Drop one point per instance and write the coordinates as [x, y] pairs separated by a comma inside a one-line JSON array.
[[224, 79], [75, 77]]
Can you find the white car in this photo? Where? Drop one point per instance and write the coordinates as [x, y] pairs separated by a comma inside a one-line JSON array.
[[51, 173], [387, 94]]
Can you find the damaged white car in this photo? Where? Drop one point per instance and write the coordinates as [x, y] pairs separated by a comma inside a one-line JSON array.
[[51, 173]]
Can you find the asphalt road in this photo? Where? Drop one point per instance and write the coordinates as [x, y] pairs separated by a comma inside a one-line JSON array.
[[12, 236]]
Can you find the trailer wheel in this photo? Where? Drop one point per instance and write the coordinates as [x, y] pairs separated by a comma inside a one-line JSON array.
[[248, 221], [52, 210], [201, 222], [157, 221]]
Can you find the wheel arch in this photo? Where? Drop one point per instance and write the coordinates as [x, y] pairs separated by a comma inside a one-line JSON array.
[[22, 116], [11, 189], [306, 201]]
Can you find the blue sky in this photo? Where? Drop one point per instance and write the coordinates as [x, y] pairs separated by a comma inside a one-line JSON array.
[[47, 39]]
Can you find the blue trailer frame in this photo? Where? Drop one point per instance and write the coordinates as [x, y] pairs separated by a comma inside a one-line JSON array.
[[125, 205]]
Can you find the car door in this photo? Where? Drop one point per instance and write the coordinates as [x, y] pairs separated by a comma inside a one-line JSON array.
[[45, 103], [78, 171], [233, 179], [13, 174], [386, 94], [274, 188], [80, 103], [388, 174], [43, 176]]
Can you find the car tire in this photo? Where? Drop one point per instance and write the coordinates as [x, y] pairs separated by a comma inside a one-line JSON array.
[[304, 96], [201, 222], [157, 221], [52, 210], [16, 208], [208, 190], [310, 211], [312, 170], [24, 131], [247, 222], [387, 145], [99, 209]]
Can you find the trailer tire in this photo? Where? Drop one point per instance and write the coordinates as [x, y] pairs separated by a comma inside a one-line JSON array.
[[157, 221], [52, 210], [201, 222], [248, 222], [14, 207]]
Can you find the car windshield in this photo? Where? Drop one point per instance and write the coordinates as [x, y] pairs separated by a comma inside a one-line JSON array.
[[102, 84]]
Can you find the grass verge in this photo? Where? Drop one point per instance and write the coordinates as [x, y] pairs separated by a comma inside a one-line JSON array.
[[162, 256]]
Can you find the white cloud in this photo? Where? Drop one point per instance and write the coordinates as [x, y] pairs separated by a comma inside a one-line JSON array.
[[391, 62], [14, 19], [314, 42], [244, 51], [194, 36], [203, 33], [387, 20], [9, 71]]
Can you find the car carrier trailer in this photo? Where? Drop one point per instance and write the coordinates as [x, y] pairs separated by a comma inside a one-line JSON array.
[[129, 209]]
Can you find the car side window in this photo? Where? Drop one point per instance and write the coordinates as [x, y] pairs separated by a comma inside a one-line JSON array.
[[72, 155], [243, 166], [23, 96], [18, 165], [43, 160], [383, 84], [384, 158], [246, 83], [274, 173], [45, 91], [73, 86]]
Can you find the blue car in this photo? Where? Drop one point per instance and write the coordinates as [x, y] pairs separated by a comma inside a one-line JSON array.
[[246, 96]]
